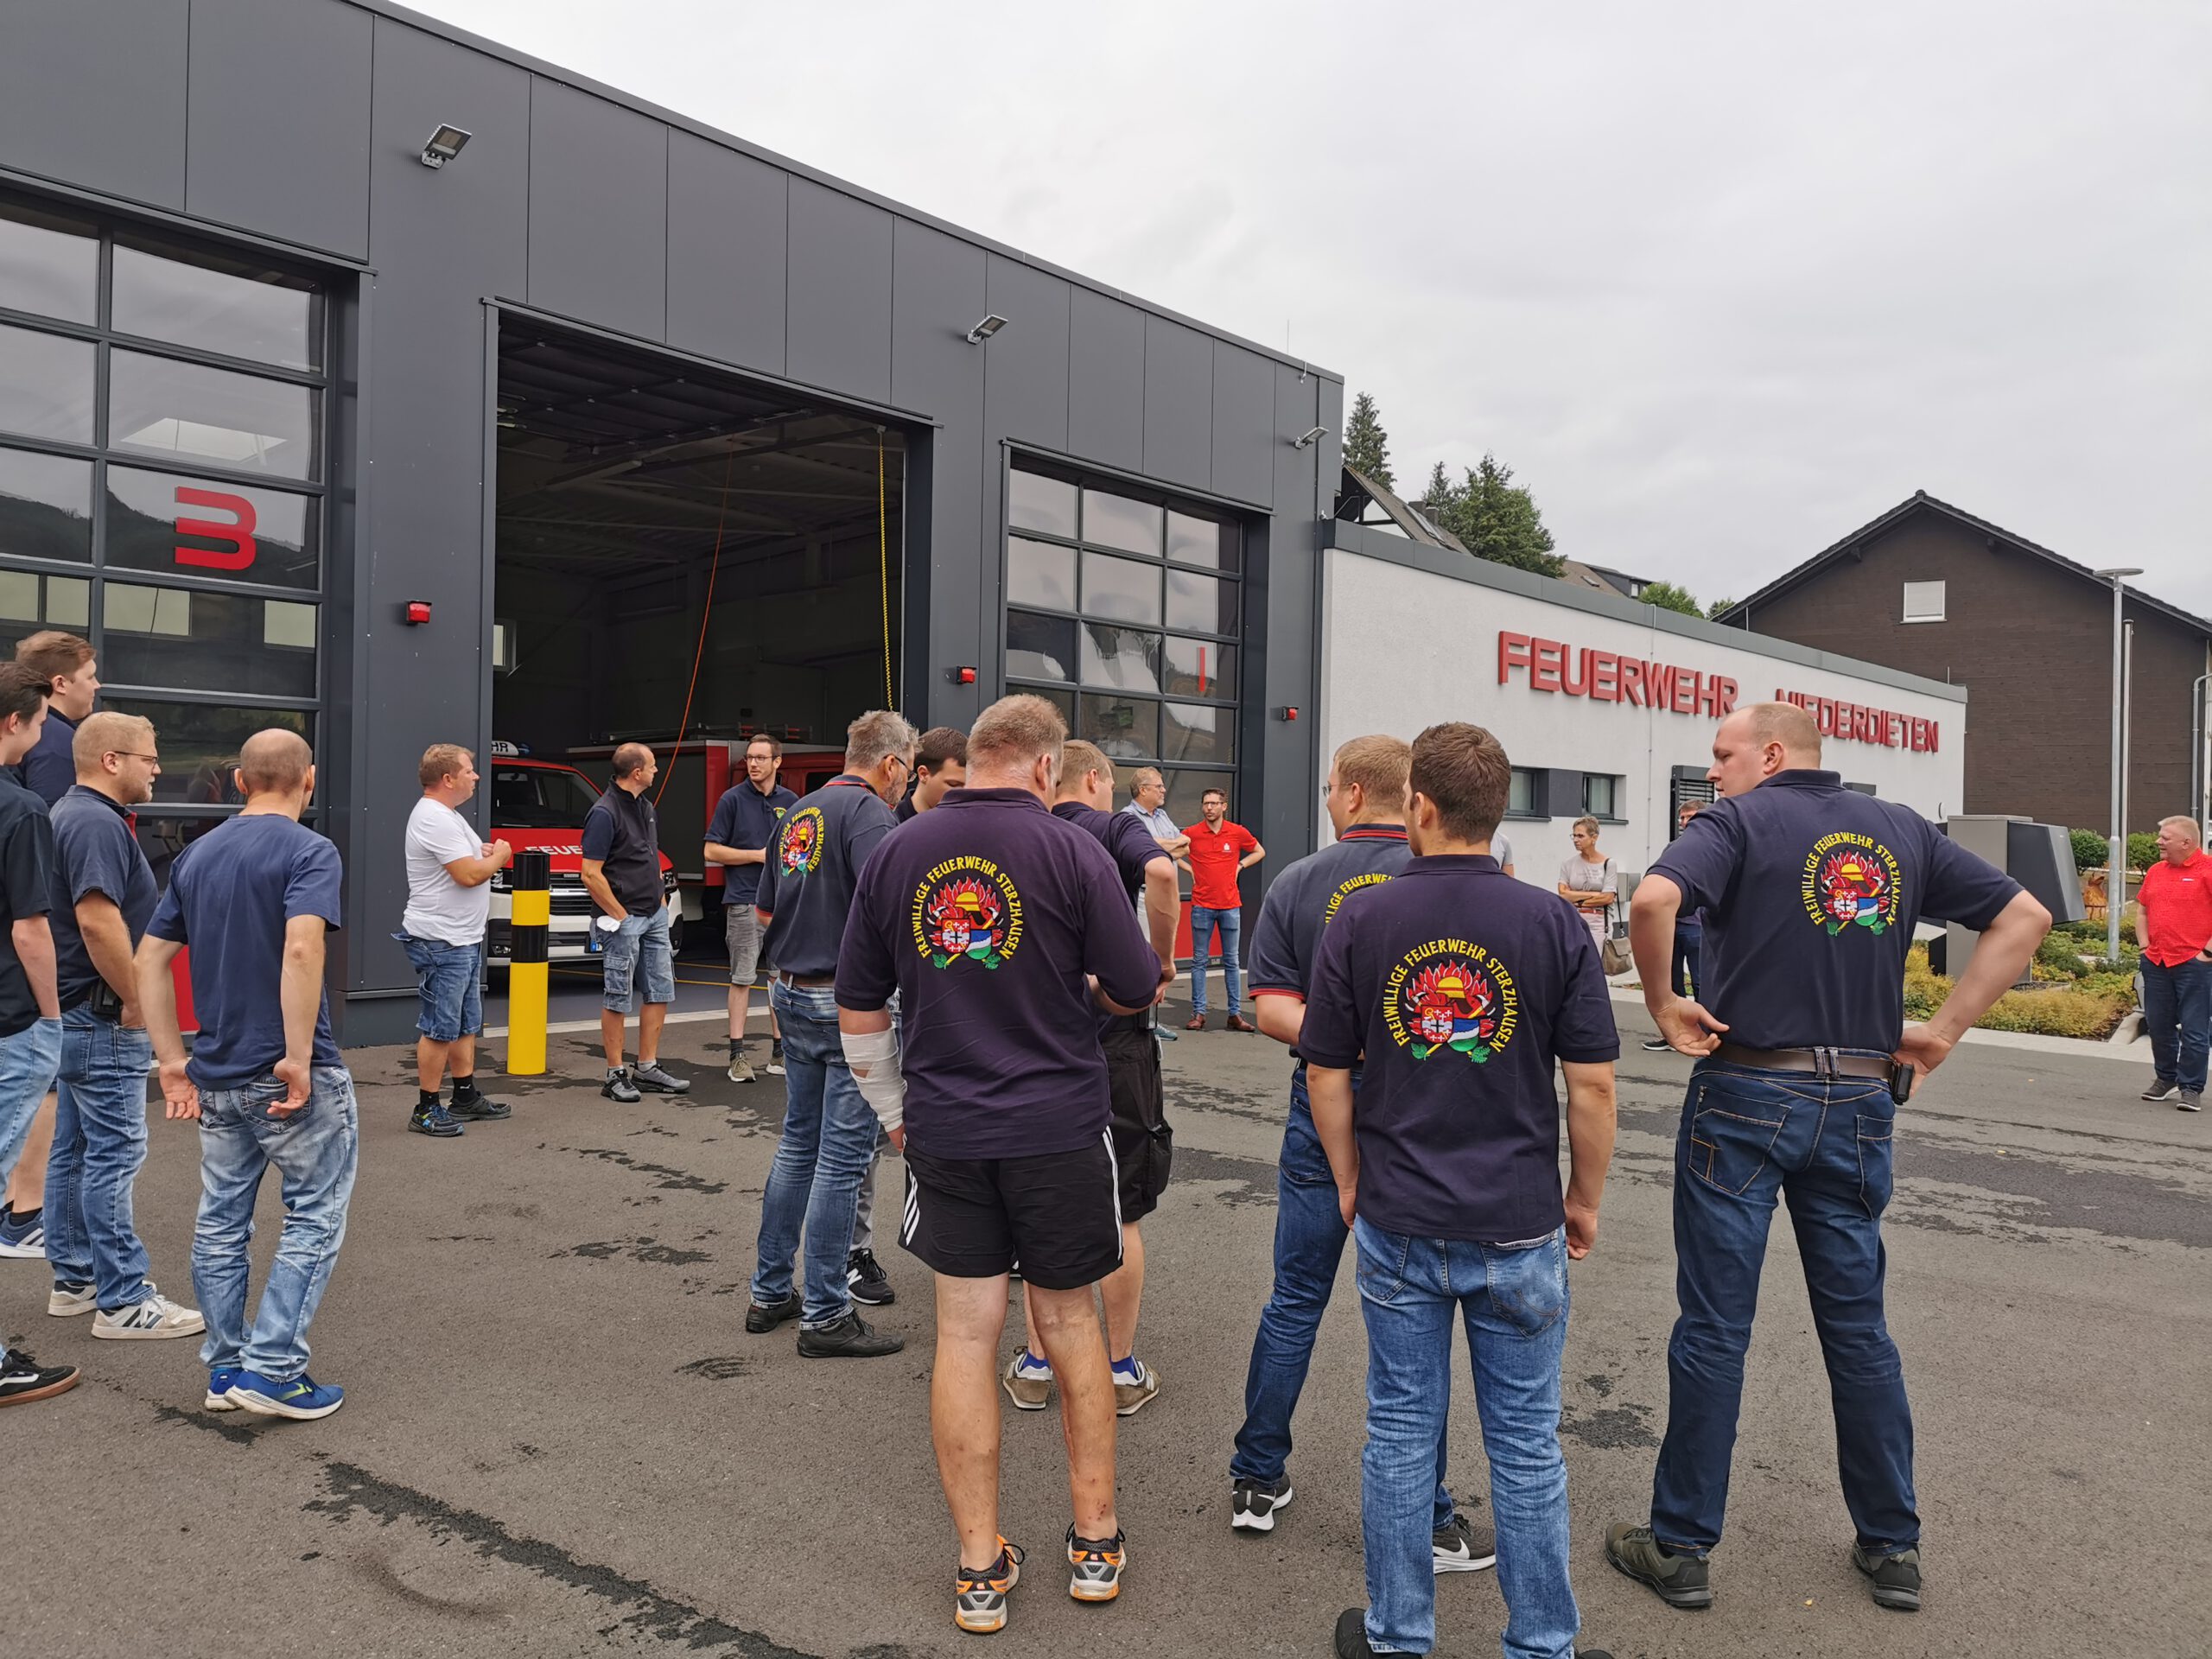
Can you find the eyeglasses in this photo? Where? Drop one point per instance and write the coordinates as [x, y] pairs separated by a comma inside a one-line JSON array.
[[132, 754]]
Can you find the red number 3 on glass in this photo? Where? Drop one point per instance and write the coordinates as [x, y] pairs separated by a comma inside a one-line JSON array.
[[238, 537]]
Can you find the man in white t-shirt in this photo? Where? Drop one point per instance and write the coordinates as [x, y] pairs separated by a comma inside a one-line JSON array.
[[447, 905]]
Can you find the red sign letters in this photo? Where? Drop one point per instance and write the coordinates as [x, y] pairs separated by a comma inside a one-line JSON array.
[[1608, 676], [1854, 722], [238, 534]]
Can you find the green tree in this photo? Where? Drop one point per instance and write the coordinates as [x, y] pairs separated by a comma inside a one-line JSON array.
[[1437, 500], [1367, 446], [1497, 520], [1668, 597], [1719, 605]]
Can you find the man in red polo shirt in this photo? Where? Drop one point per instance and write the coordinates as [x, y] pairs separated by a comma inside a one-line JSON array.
[[1219, 851], [2177, 933]]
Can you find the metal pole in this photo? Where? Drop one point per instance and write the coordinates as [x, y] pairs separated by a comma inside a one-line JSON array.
[[2200, 774], [2116, 847]]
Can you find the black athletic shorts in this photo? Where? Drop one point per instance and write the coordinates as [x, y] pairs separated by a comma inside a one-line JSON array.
[[1144, 1145], [1057, 1214]]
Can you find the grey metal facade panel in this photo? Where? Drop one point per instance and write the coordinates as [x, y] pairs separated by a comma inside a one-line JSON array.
[[839, 281], [1178, 403], [278, 125], [726, 253], [1329, 451], [1289, 775], [74, 108], [1244, 424], [598, 211], [1105, 380], [1026, 363]]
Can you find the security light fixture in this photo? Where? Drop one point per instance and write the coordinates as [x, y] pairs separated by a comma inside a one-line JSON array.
[[984, 330], [1308, 439], [445, 143]]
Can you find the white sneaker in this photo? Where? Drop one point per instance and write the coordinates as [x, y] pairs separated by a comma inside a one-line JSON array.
[[157, 1316], [67, 1301]]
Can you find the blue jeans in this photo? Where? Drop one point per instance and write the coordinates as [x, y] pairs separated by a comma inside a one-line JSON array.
[[99, 1143], [1747, 1136], [1689, 943], [314, 1150], [829, 1137], [28, 1061], [449, 985], [639, 946], [1513, 1303], [1310, 1235], [2177, 1014], [1204, 924]]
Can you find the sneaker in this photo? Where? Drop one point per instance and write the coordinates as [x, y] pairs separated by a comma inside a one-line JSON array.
[[618, 1086], [979, 1598], [865, 1278], [1680, 1580], [2161, 1089], [1895, 1579], [1457, 1546], [1027, 1382], [1253, 1507], [22, 1237], [433, 1119], [302, 1398], [1657, 1046], [1166, 1034], [67, 1301], [154, 1316], [761, 1318], [776, 1058], [1132, 1397], [849, 1337], [661, 1083], [2190, 1100], [478, 1108], [740, 1069], [220, 1380], [1098, 1563], [23, 1379]]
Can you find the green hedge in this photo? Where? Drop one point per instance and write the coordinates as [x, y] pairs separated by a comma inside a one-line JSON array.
[[2056, 1013], [2090, 850]]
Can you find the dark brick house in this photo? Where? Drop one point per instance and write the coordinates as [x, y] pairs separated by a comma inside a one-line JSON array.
[[1936, 591]]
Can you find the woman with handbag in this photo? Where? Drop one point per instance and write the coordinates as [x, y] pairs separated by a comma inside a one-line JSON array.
[[1586, 882]]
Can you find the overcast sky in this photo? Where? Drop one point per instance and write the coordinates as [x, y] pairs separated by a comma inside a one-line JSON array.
[[1720, 282]]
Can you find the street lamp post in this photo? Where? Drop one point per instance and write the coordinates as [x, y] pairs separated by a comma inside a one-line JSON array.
[[2116, 862]]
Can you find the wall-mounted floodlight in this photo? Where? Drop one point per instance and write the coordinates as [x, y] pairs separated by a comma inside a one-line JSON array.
[[445, 143], [1305, 440], [984, 330]]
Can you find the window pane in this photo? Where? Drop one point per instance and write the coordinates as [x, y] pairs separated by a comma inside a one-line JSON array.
[[1121, 588], [162, 839], [1116, 521], [1202, 541], [48, 264], [29, 601], [46, 506], [1058, 696], [46, 385], [1127, 728], [1120, 657], [1039, 648], [1206, 603], [1599, 795], [1038, 573], [205, 642], [218, 304], [200, 743], [1201, 667], [159, 407], [1045, 503], [242, 533], [1185, 794], [1198, 731], [1923, 601], [1520, 792]]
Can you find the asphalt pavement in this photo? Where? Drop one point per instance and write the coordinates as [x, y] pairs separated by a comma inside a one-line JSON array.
[[560, 1441]]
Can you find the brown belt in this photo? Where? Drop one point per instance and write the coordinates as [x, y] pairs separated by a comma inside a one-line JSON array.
[[1820, 1062], [807, 981]]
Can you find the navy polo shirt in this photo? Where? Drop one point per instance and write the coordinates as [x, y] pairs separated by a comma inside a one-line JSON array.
[[1463, 988], [1308, 894], [95, 850], [1128, 843], [745, 819], [49, 770], [26, 878], [1810, 892], [814, 864], [984, 915], [622, 833]]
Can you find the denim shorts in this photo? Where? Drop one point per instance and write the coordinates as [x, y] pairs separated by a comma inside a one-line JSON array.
[[449, 984], [638, 945]]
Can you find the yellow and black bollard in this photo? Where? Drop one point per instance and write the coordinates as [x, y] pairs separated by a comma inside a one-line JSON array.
[[530, 925]]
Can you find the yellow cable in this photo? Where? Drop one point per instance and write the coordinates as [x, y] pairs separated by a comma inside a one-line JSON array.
[[883, 542]]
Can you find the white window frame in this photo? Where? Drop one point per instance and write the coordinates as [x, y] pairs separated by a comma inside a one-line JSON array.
[[1909, 614]]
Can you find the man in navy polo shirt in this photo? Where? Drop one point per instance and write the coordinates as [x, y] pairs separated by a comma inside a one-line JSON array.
[[806, 891], [996, 924], [1366, 800], [1462, 988], [1811, 892], [745, 822]]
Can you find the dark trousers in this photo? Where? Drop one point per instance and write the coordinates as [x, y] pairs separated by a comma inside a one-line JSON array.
[[2177, 1014], [1689, 943]]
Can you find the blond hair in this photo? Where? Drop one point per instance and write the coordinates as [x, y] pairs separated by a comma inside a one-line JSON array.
[[1013, 731], [442, 761], [105, 732]]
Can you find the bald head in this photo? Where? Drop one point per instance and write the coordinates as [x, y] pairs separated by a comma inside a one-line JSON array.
[[275, 762], [1760, 740]]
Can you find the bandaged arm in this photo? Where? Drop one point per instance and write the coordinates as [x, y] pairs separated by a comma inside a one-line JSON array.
[[872, 1051]]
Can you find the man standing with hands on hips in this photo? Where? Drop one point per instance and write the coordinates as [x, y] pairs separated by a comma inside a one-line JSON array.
[[1220, 851], [1810, 891], [621, 871], [2176, 934]]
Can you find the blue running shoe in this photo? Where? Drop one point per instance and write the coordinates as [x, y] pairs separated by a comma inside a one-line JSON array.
[[22, 1235], [221, 1380], [302, 1397]]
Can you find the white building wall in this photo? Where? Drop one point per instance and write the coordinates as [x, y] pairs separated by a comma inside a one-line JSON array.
[[1402, 648]]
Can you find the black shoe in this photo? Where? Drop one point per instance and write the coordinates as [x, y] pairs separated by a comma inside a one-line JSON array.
[[1657, 1046], [1252, 1507], [474, 1108], [1352, 1634], [760, 1320], [618, 1086], [650, 1075], [2161, 1089], [1680, 1580], [865, 1278], [23, 1379], [1457, 1547], [850, 1337], [1896, 1579], [2189, 1100], [434, 1119]]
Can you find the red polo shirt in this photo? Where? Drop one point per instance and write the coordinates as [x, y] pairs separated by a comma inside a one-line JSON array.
[[1214, 856], [2177, 909]]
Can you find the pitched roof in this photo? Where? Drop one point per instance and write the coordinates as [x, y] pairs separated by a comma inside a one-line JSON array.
[[1921, 501], [1360, 492]]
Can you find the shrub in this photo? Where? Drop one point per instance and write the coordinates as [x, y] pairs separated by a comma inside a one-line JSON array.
[[2101, 983], [2061, 955], [2142, 850], [2090, 850], [1924, 989], [2056, 1013]]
